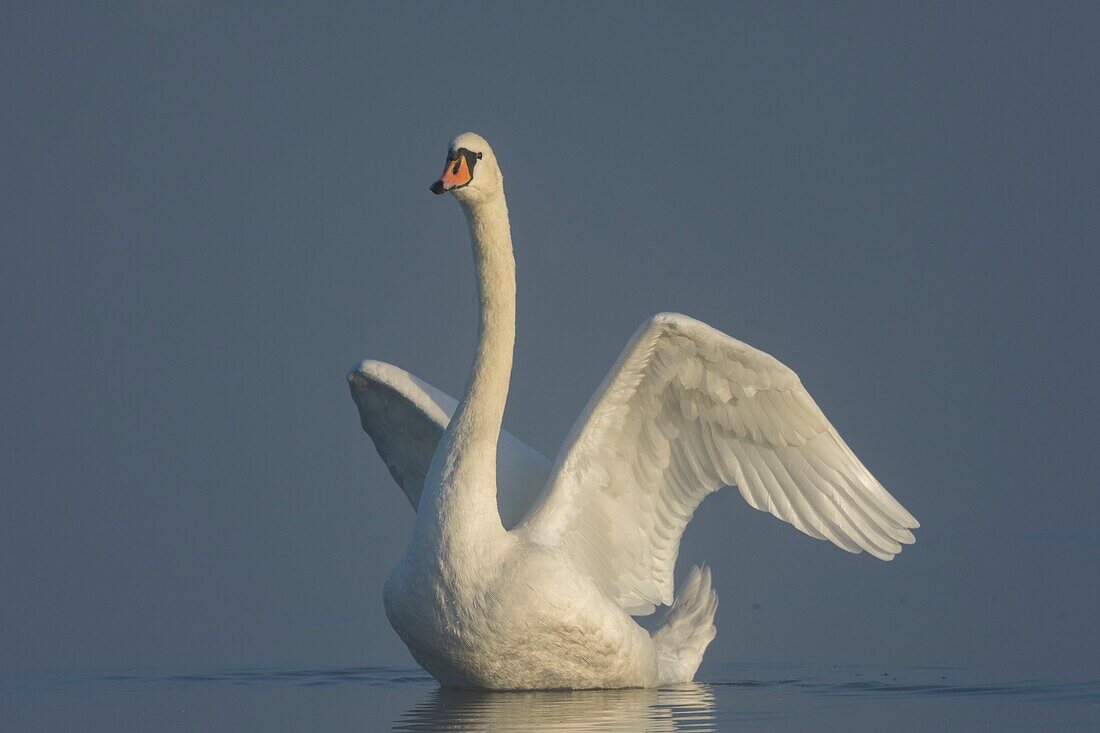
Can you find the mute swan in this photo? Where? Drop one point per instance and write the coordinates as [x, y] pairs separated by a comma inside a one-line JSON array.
[[525, 575]]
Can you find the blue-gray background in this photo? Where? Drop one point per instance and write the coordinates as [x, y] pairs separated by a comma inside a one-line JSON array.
[[208, 214]]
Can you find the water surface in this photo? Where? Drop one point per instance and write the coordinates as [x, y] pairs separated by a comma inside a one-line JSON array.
[[749, 697]]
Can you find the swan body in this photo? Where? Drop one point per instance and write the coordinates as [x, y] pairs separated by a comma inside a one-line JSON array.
[[522, 574]]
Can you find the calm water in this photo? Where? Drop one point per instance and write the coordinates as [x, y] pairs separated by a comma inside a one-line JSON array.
[[740, 697]]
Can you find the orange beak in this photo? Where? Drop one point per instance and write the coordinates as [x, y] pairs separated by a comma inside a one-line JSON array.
[[456, 173]]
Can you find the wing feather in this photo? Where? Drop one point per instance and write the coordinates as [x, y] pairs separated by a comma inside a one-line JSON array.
[[406, 417], [686, 410]]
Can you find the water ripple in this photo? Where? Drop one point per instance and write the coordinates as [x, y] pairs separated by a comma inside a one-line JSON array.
[[839, 684], [368, 676], [730, 696], [685, 708]]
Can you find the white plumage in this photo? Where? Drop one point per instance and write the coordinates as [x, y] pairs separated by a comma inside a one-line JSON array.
[[523, 575], [406, 417]]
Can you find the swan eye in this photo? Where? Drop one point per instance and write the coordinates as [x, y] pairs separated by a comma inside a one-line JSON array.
[[470, 157]]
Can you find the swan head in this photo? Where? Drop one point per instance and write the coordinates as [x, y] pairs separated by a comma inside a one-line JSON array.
[[470, 172]]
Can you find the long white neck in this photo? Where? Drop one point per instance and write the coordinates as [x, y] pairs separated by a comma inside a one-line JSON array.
[[459, 503]]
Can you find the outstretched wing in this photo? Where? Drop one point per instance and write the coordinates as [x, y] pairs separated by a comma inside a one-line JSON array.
[[685, 411], [406, 417]]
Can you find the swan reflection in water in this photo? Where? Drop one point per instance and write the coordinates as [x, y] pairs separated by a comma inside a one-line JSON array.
[[683, 708]]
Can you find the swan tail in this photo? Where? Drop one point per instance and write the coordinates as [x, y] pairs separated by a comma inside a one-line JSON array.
[[687, 630]]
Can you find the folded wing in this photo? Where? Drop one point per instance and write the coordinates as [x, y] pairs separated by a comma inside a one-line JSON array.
[[685, 411], [406, 417]]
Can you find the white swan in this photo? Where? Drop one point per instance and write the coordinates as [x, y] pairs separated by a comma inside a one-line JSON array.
[[520, 575]]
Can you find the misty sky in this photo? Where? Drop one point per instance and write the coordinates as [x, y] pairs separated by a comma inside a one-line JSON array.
[[209, 214]]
